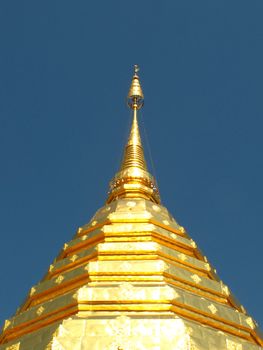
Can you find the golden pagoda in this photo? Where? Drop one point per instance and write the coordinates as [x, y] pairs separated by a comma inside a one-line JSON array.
[[131, 279]]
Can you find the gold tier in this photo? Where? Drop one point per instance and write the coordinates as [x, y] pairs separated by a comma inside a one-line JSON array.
[[131, 265]]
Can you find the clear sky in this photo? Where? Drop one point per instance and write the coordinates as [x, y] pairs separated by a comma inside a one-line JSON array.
[[65, 68]]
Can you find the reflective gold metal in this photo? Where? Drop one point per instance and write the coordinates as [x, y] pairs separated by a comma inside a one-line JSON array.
[[133, 179], [131, 279], [135, 96]]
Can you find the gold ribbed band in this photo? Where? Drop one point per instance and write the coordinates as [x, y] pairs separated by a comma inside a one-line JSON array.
[[134, 155]]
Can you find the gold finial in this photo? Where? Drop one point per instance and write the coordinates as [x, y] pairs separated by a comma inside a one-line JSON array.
[[135, 98], [133, 155], [133, 180]]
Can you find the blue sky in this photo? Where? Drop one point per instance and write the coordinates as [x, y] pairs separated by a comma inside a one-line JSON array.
[[65, 69]]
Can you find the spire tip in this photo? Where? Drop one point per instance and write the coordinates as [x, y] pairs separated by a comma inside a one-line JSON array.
[[136, 69], [135, 96]]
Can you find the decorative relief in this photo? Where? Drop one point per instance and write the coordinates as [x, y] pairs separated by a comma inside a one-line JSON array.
[[196, 278], [193, 244], [40, 310], [80, 229], [13, 347], [182, 229], [231, 345], [65, 246], [94, 223], [243, 309], [156, 208], [182, 256], [173, 235], [225, 290], [120, 326], [250, 322], [208, 267], [212, 308], [32, 291], [76, 295], [127, 290], [166, 222], [59, 279], [73, 257], [83, 238], [6, 324]]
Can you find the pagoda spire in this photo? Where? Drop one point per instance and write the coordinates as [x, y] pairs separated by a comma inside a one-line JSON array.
[[131, 278], [133, 154], [133, 180]]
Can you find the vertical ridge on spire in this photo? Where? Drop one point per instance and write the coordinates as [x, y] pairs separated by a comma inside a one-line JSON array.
[[133, 180]]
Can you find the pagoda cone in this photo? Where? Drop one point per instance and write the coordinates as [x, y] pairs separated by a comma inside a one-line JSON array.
[[131, 279]]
